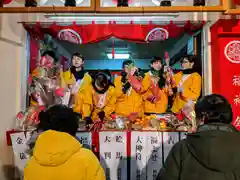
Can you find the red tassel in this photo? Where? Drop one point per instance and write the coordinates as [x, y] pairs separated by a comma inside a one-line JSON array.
[[113, 52]]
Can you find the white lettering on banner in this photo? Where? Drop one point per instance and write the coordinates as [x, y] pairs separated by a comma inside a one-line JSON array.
[[236, 80], [85, 139], [232, 51], [169, 139], [146, 155], [113, 154], [19, 146], [237, 121], [237, 99]]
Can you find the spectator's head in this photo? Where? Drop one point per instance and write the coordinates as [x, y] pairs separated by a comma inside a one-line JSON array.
[[77, 60], [59, 118], [126, 64], [157, 63], [213, 108]]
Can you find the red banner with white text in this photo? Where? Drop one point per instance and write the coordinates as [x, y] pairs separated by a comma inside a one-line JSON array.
[[229, 74]]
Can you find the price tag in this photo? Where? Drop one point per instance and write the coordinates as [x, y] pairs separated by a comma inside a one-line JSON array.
[[113, 154]]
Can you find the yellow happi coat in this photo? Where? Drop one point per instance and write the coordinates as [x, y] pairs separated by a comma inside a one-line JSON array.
[[191, 85], [158, 107], [131, 102], [69, 79], [93, 102]]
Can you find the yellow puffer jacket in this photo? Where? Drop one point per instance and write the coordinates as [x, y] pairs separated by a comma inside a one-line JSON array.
[[191, 90], [59, 156], [125, 103], [89, 100], [158, 107]]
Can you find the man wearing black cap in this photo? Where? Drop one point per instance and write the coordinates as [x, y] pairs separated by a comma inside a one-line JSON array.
[[212, 152]]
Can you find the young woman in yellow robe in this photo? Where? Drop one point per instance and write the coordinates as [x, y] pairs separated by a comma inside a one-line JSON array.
[[99, 98], [187, 84], [76, 79], [128, 91], [155, 95]]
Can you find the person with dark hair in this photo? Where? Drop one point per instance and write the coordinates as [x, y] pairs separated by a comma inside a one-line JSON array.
[[155, 96], [99, 98], [210, 153], [57, 153], [128, 90], [187, 84], [77, 79]]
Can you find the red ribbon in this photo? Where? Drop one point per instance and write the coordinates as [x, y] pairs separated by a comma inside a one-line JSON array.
[[113, 52]]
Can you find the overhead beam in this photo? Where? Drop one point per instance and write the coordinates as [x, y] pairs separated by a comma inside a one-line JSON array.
[[159, 9]]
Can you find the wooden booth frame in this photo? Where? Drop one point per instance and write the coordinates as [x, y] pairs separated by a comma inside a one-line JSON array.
[[226, 5], [50, 9]]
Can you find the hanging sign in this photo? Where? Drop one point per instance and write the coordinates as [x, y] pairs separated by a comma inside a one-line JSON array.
[[113, 154], [19, 146], [146, 155], [157, 34], [85, 139], [70, 35], [169, 139], [229, 66]]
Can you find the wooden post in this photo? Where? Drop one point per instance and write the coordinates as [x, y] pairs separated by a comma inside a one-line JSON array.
[[228, 4]]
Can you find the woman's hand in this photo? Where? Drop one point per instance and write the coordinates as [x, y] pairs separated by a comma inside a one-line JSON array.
[[131, 70]]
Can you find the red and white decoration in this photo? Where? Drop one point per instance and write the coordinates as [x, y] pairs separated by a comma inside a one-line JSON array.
[[69, 35], [225, 50], [157, 34], [93, 33]]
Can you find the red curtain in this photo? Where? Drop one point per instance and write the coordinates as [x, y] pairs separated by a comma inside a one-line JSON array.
[[92, 33], [34, 50]]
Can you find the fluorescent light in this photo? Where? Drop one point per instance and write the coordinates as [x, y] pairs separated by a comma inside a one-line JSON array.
[[118, 56], [78, 17], [156, 2]]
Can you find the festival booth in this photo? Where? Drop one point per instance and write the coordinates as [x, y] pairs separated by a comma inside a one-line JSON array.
[[138, 151]]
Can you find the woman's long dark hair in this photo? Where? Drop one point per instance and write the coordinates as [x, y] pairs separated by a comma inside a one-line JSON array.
[[196, 66]]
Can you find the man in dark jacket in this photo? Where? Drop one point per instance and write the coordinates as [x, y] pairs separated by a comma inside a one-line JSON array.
[[212, 152]]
